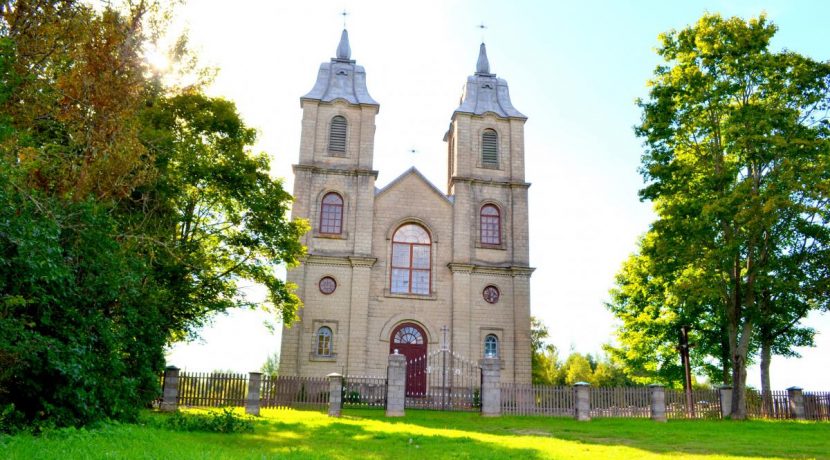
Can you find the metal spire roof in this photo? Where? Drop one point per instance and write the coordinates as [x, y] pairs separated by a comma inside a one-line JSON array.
[[484, 93], [344, 52], [483, 64], [341, 78]]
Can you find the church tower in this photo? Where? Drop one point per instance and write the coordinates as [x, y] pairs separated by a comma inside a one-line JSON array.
[[491, 275], [334, 190]]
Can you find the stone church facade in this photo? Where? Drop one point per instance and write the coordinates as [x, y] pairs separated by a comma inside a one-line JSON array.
[[409, 267]]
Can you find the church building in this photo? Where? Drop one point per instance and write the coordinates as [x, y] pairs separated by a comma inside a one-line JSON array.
[[407, 267]]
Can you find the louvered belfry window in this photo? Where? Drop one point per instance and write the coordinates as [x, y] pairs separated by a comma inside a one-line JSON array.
[[337, 136], [490, 149]]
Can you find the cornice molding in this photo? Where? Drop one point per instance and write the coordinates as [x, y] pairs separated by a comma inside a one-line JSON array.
[[497, 183], [335, 171], [515, 271]]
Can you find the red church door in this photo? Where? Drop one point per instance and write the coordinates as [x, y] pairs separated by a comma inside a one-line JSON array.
[[409, 339]]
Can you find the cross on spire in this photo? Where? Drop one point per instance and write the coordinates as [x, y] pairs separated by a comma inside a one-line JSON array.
[[344, 13], [482, 27]]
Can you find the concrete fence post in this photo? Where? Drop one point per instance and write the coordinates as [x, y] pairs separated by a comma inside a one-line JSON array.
[[582, 401], [657, 400], [170, 392], [490, 389], [725, 393], [795, 396], [396, 385], [252, 401], [335, 394]]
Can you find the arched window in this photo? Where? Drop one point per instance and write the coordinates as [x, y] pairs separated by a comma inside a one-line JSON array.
[[411, 260], [324, 341], [491, 346], [408, 335], [490, 225], [337, 135], [490, 148], [331, 214]]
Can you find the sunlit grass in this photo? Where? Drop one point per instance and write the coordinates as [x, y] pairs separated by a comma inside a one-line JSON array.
[[367, 434]]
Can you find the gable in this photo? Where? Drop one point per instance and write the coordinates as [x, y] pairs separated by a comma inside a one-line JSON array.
[[413, 181]]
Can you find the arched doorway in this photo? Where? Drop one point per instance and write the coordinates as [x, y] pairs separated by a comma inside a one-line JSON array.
[[410, 340]]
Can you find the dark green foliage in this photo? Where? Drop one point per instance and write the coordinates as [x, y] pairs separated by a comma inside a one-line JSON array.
[[221, 421], [78, 333], [128, 214]]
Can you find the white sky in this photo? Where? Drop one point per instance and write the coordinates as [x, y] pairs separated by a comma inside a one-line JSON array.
[[574, 68]]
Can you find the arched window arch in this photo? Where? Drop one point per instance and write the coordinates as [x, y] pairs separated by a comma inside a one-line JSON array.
[[491, 346], [411, 260], [490, 224], [331, 214], [337, 135], [490, 148], [324, 341]]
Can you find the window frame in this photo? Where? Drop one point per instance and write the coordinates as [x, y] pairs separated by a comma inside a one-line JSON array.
[[411, 269], [491, 218], [495, 344], [318, 345], [322, 224]]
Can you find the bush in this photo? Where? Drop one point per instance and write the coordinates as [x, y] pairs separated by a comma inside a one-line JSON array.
[[222, 421]]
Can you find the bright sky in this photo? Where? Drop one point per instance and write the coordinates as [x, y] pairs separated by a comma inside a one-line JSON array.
[[574, 68]]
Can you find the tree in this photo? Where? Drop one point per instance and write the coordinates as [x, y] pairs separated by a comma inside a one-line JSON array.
[[652, 304], [271, 366], [736, 163], [129, 213]]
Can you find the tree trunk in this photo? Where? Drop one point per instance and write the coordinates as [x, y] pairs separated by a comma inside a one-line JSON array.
[[766, 389]]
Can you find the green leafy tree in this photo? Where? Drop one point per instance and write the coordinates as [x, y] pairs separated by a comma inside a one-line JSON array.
[[271, 366], [129, 213], [736, 164], [577, 368]]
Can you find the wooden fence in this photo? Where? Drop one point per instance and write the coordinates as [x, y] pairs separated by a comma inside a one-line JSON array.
[[226, 389], [630, 402], [817, 405], [362, 391], [776, 405], [203, 389], [523, 399], [296, 392], [705, 404]]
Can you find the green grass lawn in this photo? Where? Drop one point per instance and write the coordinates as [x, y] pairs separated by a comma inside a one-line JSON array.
[[367, 434]]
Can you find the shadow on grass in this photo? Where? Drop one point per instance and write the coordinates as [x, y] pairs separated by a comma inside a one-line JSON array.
[[787, 439]]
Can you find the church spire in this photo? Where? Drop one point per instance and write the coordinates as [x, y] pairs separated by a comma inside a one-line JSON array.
[[483, 64], [344, 51]]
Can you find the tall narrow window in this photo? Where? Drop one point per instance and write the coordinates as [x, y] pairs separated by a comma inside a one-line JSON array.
[[490, 225], [337, 135], [324, 341], [490, 149], [491, 346], [331, 214], [411, 253]]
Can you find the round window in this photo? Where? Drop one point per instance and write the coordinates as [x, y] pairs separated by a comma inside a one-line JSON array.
[[491, 294], [327, 285]]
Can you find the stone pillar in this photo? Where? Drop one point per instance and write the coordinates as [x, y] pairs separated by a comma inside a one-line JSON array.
[[335, 394], [170, 392], [725, 393], [490, 388], [252, 401], [796, 398], [396, 385], [657, 400], [582, 401]]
